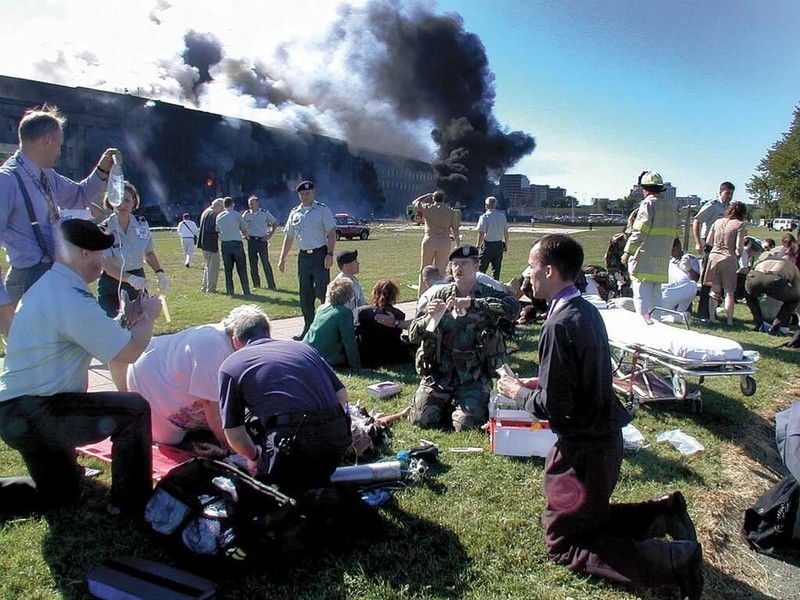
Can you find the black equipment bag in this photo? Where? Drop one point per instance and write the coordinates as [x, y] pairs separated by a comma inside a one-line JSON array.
[[771, 524], [212, 509]]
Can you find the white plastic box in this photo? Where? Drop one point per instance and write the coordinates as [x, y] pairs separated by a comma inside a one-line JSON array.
[[384, 389], [516, 432]]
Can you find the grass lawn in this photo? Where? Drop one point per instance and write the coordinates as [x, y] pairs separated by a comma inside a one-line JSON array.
[[473, 531]]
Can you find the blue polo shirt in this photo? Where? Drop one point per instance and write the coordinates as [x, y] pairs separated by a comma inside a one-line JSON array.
[[274, 377]]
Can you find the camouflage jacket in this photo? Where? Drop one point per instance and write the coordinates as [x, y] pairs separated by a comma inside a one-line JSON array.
[[465, 348]]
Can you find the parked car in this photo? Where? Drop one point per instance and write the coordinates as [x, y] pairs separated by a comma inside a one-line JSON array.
[[348, 227], [783, 224]]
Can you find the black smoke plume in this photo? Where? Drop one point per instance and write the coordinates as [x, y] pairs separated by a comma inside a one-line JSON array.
[[434, 69], [203, 51]]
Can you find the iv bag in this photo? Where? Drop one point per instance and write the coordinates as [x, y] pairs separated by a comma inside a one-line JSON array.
[[116, 184]]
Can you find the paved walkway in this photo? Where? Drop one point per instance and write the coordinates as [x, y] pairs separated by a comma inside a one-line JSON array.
[[282, 329]]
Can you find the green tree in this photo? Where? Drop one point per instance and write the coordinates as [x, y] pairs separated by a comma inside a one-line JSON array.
[[762, 190], [780, 169]]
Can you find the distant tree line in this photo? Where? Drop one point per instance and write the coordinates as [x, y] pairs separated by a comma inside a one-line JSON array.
[[776, 184]]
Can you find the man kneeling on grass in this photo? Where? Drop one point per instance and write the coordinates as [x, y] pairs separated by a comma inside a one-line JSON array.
[[300, 405], [583, 531]]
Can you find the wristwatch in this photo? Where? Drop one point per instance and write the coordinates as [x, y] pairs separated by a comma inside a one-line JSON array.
[[330, 253]]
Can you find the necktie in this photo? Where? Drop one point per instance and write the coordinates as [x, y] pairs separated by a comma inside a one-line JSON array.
[[48, 196]]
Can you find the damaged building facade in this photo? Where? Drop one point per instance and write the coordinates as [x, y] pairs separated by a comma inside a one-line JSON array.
[[181, 158]]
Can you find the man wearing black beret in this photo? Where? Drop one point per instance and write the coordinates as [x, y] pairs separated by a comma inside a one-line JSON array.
[[45, 410], [347, 260], [312, 224], [461, 345]]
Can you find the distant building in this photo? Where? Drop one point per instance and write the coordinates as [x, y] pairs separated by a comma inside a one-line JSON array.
[[538, 195], [692, 200], [556, 193], [515, 189]]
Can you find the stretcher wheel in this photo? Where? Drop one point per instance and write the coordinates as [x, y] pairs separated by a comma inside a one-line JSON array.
[[748, 385], [678, 386]]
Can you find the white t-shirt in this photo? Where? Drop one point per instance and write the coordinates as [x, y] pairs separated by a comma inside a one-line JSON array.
[[178, 371]]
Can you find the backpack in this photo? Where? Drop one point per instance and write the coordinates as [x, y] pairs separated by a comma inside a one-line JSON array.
[[771, 524], [208, 508]]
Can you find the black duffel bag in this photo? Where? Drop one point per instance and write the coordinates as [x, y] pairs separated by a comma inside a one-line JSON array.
[[771, 524], [211, 509]]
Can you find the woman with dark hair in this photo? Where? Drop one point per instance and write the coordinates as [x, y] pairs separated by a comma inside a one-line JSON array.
[[726, 238], [123, 268], [380, 326]]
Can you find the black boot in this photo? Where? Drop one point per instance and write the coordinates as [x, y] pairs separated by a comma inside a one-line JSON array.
[[687, 563], [677, 522]]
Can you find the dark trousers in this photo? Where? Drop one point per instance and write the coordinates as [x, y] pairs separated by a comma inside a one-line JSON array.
[[233, 254], [47, 429], [705, 291], [491, 254], [304, 452], [584, 532], [257, 249], [774, 286], [314, 279], [108, 290]]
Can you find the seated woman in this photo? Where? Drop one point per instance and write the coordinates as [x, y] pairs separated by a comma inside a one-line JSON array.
[[332, 332], [380, 326]]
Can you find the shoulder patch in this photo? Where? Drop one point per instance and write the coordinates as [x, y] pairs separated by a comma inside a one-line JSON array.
[[319, 203]]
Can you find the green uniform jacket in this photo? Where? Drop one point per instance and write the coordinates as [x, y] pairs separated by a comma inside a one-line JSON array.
[[467, 348], [650, 243]]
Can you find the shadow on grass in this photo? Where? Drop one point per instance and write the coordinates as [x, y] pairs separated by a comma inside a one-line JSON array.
[[658, 468]]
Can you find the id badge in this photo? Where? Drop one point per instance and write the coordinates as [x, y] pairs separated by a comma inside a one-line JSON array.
[[142, 232]]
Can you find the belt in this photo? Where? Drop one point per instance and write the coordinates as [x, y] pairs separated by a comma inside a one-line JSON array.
[[296, 418], [311, 250], [257, 239]]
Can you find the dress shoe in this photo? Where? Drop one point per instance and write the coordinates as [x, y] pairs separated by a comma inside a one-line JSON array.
[[687, 567], [677, 522]]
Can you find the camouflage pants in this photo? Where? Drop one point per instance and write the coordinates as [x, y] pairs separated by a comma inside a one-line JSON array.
[[466, 405]]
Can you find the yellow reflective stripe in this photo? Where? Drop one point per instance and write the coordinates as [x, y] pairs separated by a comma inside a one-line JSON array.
[[665, 231]]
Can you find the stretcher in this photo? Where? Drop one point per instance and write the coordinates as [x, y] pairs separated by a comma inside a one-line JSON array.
[[651, 360]]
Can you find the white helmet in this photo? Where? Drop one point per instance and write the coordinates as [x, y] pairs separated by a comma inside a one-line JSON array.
[[652, 179]]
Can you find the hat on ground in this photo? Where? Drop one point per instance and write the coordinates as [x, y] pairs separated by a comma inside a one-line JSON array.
[[304, 185], [464, 252], [345, 257], [652, 179], [85, 234]]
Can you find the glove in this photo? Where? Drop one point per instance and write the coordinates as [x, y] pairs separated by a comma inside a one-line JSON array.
[[136, 282], [163, 283]]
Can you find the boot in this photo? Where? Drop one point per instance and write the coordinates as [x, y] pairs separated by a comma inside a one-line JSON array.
[[687, 563], [677, 522]]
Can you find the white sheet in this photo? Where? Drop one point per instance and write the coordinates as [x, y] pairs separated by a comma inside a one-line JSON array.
[[625, 327]]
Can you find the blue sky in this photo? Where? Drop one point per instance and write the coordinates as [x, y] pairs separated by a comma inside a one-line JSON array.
[[698, 90]]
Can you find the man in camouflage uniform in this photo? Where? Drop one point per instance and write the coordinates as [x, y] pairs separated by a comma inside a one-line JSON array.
[[460, 347]]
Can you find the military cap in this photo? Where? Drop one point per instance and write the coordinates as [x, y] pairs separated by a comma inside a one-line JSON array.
[[85, 234], [464, 252], [304, 185], [345, 257]]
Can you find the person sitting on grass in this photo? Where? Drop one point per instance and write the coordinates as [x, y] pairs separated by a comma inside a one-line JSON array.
[[380, 327], [332, 332]]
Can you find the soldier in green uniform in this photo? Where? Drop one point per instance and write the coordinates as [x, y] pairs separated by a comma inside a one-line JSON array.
[[461, 345]]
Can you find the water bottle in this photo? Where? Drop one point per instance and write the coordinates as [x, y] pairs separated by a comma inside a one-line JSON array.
[[116, 184]]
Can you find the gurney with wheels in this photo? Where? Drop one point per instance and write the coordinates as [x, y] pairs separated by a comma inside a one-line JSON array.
[[651, 360]]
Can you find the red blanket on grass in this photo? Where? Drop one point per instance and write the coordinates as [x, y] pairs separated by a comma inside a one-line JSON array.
[[164, 457]]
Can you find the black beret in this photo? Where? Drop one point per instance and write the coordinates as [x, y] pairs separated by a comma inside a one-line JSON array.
[[346, 256], [464, 252], [304, 185], [85, 234]]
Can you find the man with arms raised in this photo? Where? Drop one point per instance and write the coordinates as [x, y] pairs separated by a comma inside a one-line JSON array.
[[583, 531], [45, 410], [31, 193]]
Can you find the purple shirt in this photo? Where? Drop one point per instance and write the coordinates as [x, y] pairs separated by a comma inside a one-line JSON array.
[[273, 377], [16, 232], [568, 292]]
